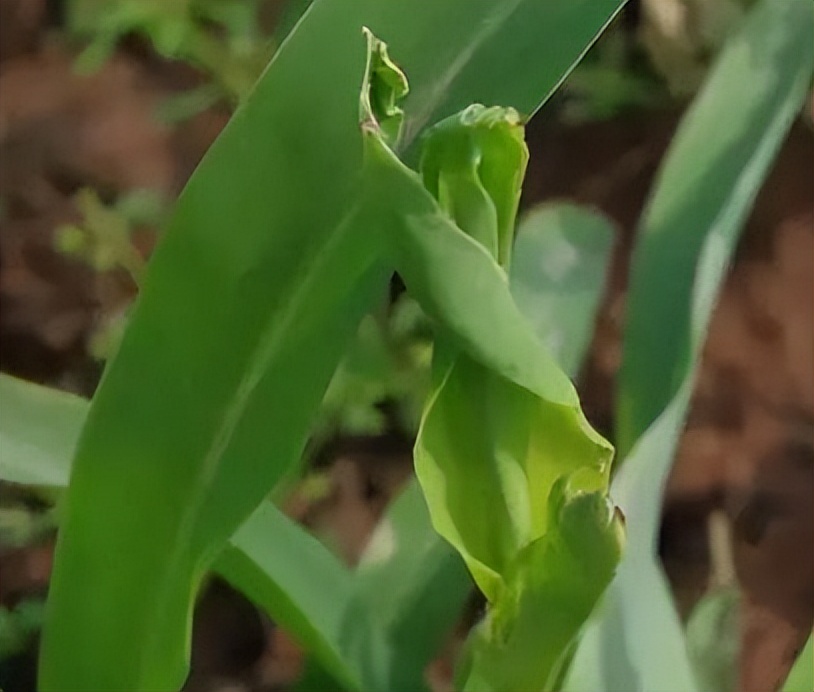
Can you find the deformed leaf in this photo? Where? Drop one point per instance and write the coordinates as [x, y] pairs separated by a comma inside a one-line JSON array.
[[553, 586], [473, 163], [502, 435]]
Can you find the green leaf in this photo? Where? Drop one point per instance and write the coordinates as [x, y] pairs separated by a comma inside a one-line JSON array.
[[801, 677], [506, 460], [414, 582], [713, 639], [702, 197], [249, 300], [561, 259], [275, 562], [39, 428], [688, 234], [554, 584], [297, 582], [474, 164], [415, 586]]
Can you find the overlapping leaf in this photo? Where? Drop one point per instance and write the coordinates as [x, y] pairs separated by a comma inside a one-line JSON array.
[[248, 302], [703, 193], [514, 476]]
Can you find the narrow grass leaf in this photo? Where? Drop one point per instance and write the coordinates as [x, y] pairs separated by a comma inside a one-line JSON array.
[[298, 582], [274, 561], [39, 428], [690, 229], [702, 197], [415, 585]]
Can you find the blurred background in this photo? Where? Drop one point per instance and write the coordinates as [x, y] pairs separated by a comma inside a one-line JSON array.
[[106, 107]]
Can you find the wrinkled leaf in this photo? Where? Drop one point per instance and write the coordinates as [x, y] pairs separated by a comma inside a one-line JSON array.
[[688, 234], [556, 581], [506, 460], [413, 579], [266, 268]]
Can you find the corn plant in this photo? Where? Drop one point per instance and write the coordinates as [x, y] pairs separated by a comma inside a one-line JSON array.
[[334, 173]]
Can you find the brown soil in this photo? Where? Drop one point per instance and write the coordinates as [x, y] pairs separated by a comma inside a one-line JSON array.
[[748, 447]]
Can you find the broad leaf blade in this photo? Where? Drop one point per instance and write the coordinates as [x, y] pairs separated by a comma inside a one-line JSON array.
[[275, 562], [543, 39], [258, 283], [688, 235]]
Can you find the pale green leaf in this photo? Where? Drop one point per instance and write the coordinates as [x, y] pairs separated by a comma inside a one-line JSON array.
[[559, 268], [690, 229], [39, 428]]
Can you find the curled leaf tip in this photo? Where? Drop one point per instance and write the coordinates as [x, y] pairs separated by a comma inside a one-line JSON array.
[[473, 163], [383, 87]]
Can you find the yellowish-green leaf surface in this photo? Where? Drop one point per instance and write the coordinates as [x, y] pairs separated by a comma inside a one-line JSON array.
[[514, 476]]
